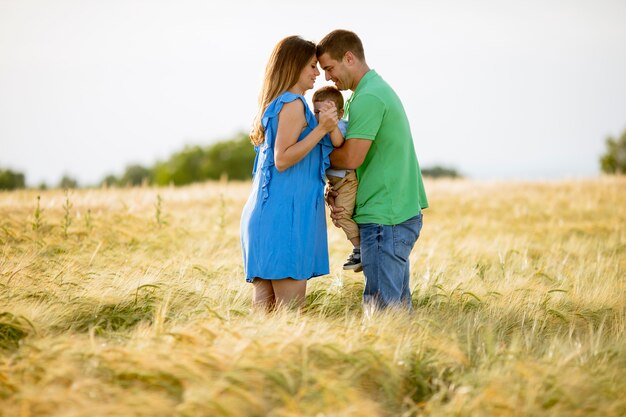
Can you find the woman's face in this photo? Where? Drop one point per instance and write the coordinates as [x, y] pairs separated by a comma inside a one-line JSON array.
[[308, 75]]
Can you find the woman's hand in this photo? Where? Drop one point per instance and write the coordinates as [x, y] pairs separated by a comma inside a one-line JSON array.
[[288, 150], [328, 116]]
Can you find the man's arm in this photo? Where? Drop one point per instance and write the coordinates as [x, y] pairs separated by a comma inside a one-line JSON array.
[[351, 155]]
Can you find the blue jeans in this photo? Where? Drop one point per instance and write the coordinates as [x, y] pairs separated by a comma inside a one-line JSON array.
[[385, 257]]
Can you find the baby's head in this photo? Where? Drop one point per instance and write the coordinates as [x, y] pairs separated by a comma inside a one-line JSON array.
[[327, 93]]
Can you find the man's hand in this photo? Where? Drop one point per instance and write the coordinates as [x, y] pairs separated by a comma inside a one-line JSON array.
[[335, 212]]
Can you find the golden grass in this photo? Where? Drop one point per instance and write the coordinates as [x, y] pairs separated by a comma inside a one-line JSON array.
[[142, 309]]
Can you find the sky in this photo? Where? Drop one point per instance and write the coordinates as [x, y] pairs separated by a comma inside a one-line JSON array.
[[496, 89]]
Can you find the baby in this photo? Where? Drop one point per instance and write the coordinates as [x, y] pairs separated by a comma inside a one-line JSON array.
[[343, 181]]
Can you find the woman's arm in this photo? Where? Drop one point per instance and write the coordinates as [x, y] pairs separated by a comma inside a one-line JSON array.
[[288, 151]]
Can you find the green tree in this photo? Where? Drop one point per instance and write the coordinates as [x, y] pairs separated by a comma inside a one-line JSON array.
[[137, 175], [233, 158], [230, 158], [10, 180], [185, 167], [110, 181], [614, 160], [439, 171], [68, 182]]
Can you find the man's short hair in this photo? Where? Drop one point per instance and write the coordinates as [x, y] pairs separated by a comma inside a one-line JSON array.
[[329, 93], [338, 42]]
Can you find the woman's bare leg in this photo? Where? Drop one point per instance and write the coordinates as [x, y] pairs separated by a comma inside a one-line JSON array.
[[289, 292], [263, 295]]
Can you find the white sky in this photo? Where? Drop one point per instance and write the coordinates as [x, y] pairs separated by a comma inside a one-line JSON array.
[[495, 88]]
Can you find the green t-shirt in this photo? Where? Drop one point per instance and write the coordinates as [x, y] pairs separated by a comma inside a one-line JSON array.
[[390, 189]]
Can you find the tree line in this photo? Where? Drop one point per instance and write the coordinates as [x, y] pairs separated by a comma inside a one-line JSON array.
[[232, 159]]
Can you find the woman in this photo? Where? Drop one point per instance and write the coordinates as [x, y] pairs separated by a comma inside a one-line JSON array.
[[283, 224]]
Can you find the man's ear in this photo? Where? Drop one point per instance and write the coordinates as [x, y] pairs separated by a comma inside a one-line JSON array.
[[349, 58]]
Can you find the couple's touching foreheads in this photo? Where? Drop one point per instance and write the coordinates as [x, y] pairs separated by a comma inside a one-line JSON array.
[[361, 151]]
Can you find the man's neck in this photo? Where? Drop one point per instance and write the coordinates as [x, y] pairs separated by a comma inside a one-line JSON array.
[[359, 74]]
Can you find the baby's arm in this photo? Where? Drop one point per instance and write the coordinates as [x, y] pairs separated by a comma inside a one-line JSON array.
[[336, 137]]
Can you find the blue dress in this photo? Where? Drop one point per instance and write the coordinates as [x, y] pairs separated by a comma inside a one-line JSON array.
[[283, 224]]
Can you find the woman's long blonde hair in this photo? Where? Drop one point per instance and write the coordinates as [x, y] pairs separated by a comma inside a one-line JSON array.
[[283, 69]]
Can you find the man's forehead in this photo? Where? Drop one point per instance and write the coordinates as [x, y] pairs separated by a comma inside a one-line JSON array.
[[325, 60]]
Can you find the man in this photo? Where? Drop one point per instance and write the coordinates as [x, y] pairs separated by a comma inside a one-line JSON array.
[[379, 146]]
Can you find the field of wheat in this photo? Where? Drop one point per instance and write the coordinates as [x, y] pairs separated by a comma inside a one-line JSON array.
[[132, 302]]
